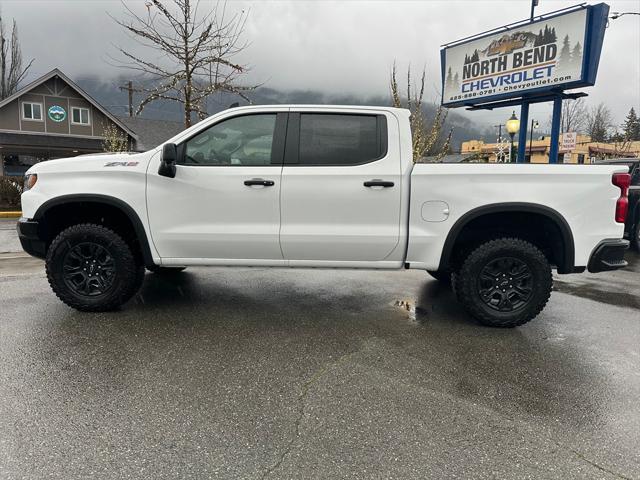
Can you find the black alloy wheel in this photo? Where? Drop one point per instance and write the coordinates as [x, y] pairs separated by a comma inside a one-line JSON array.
[[89, 269], [505, 284]]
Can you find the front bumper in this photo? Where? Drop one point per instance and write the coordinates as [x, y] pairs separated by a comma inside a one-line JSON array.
[[608, 255], [28, 233]]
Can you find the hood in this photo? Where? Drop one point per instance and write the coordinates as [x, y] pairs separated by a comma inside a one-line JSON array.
[[91, 162]]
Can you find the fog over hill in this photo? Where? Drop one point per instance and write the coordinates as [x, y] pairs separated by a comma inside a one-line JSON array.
[[111, 97]]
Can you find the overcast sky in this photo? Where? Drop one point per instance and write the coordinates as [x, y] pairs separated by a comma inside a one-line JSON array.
[[332, 46]]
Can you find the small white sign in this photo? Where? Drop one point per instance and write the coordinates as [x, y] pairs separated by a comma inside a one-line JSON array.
[[569, 140]]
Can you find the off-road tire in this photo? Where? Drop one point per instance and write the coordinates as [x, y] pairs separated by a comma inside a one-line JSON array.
[[472, 279], [123, 282], [165, 270], [443, 276]]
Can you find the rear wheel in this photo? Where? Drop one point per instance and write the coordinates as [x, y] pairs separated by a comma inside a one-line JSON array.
[[504, 283], [91, 268]]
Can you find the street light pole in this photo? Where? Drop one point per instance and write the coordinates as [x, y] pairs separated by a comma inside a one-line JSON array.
[[534, 4], [513, 125]]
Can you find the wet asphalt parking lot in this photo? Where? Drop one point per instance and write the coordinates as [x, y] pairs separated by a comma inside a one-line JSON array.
[[259, 373]]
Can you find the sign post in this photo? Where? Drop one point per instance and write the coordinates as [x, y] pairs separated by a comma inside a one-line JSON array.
[[531, 61]]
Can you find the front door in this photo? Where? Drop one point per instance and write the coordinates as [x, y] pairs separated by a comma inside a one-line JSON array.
[[341, 188], [224, 202]]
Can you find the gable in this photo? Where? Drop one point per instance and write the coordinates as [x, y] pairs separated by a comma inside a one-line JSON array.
[[60, 107]]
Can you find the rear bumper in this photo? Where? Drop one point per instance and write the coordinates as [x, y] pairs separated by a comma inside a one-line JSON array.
[[608, 255], [29, 237]]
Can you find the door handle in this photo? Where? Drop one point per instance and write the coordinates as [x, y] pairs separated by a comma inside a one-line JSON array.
[[259, 181], [378, 183]]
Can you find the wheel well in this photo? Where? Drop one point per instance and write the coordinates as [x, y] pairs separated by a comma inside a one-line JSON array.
[[57, 217], [551, 235]]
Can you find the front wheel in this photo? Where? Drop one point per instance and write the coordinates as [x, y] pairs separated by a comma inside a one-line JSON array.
[[91, 268], [504, 283]]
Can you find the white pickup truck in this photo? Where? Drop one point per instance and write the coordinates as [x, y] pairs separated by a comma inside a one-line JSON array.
[[320, 187]]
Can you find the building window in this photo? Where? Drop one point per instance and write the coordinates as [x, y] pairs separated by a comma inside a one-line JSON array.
[[31, 111], [80, 116]]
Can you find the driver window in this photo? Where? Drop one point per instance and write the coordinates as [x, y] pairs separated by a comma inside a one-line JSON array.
[[244, 140]]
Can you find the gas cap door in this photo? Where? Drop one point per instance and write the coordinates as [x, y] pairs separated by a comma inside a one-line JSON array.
[[435, 211]]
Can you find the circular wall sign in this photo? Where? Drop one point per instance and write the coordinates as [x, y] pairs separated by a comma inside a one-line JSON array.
[[57, 113]]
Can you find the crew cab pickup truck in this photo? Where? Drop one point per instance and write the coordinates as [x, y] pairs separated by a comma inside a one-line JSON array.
[[320, 187]]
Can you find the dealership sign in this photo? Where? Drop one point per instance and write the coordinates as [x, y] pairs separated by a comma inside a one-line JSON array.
[[555, 53]]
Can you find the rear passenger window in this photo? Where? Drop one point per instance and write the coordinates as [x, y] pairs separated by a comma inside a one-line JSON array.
[[334, 139]]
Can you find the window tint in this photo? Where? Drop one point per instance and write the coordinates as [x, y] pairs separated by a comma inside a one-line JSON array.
[[330, 139], [244, 140]]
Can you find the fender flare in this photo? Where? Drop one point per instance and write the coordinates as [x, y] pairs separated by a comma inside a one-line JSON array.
[[124, 207], [568, 253]]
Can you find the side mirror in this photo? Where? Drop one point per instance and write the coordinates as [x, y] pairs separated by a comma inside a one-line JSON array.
[[168, 160]]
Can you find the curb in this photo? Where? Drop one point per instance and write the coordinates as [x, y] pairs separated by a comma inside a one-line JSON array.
[[10, 214]]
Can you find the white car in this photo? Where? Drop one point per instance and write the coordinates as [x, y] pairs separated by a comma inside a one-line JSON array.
[[320, 186]]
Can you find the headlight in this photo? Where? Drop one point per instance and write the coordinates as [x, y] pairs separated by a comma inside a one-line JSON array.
[[30, 181]]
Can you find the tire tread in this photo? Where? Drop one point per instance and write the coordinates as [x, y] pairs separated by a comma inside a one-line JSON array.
[[464, 281]]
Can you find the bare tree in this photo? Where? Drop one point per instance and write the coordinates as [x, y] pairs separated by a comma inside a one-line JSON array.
[[427, 139], [574, 115], [11, 71], [115, 140], [599, 123], [196, 50]]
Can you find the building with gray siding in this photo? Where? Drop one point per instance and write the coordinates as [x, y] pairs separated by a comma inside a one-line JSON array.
[[52, 117]]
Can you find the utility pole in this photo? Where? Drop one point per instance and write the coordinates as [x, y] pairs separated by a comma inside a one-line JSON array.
[[129, 88], [534, 4]]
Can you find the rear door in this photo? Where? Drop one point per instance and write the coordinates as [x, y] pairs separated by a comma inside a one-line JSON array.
[[341, 187]]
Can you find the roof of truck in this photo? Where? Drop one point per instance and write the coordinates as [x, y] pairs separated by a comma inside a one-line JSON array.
[[327, 106]]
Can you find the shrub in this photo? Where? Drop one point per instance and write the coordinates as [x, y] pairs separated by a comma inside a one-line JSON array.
[[10, 191]]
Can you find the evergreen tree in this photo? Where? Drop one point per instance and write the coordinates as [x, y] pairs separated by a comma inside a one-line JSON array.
[[565, 52], [576, 54], [631, 126], [449, 80], [456, 81], [538, 41]]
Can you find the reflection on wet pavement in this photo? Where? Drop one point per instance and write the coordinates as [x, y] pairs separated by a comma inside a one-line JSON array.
[[620, 287]]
